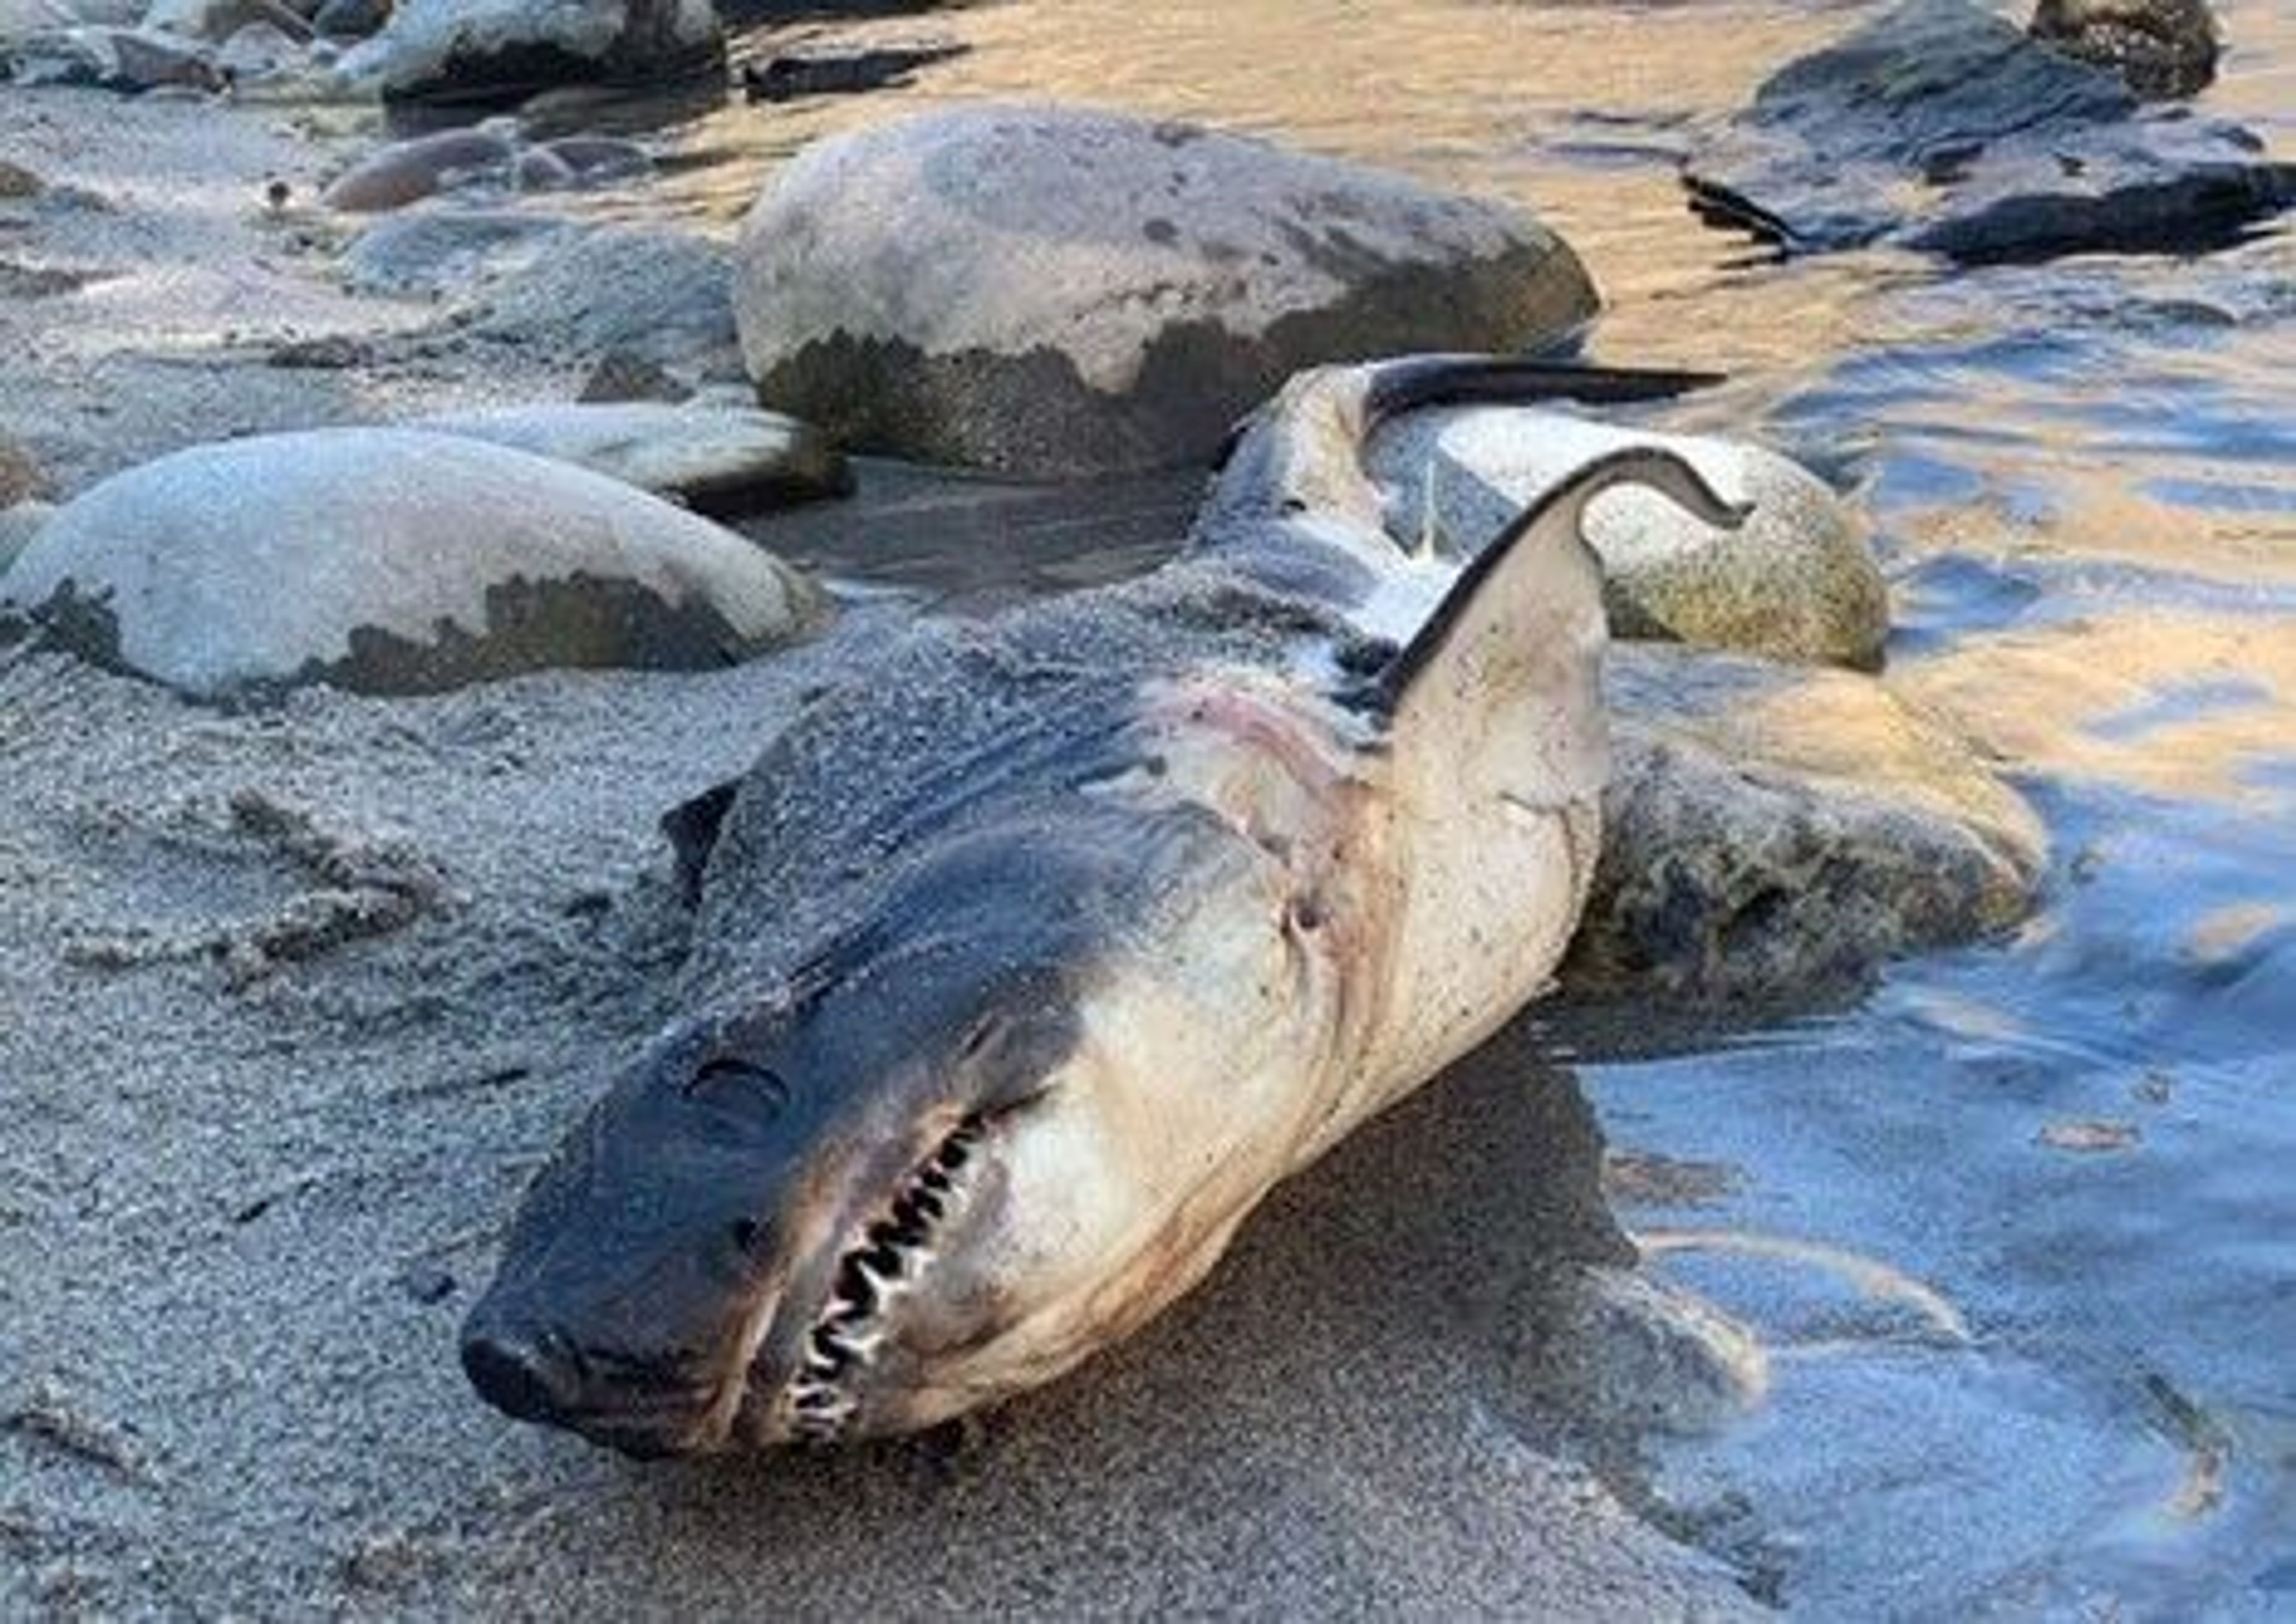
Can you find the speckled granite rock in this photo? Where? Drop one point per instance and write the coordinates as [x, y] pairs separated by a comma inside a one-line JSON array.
[[1053, 292], [1772, 833], [1796, 582]]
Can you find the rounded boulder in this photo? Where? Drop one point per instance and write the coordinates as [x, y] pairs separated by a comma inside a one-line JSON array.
[[391, 560], [1059, 293], [1798, 581]]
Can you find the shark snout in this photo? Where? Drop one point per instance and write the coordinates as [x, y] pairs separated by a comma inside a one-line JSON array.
[[528, 1377], [532, 1371]]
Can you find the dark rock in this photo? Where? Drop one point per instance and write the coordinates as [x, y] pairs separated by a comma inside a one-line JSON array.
[[348, 19], [330, 351], [385, 560], [2161, 49], [1941, 128], [1052, 291], [833, 69]]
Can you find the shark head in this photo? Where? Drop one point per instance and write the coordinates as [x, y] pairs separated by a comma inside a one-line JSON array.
[[965, 1148]]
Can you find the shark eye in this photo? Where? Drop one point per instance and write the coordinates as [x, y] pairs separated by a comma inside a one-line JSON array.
[[737, 1085]]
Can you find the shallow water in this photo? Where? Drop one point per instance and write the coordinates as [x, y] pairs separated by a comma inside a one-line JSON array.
[[2084, 479]]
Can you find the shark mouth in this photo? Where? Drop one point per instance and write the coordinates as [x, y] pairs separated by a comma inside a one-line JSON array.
[[891, 1255]]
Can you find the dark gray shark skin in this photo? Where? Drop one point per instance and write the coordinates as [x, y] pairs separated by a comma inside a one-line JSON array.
[[795, 1216]]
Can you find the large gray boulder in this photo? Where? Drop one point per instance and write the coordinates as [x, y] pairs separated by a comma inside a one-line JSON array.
[[389, 560], [1796, 582], [491, 51], [722, 460], [1052, 291], [1774, 834]]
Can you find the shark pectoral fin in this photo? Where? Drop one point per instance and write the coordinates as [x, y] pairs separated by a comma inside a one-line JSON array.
[[693, 827], [1502, 682]]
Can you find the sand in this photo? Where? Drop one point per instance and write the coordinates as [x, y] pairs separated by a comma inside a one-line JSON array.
[[292, 1001]]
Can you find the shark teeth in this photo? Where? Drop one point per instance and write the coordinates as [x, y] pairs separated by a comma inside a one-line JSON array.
[[890, 1256]]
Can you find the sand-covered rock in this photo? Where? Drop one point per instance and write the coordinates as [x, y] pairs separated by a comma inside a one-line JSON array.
[[499, 49], [1056, 292], [444, 251], [722, 460], [1942, 127], [389, 560], [647, 292], [1796, 582], [1773, 834]]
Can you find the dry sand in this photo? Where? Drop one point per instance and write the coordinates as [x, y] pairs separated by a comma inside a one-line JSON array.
[[292, 1001]]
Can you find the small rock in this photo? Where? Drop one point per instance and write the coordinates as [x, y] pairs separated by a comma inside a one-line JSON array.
[[386, 560], [2088, 1136], [498, 51], [426, 1282], [22, 478], [2162, 50], [329, 351], [829, 69], [407, 170], [1796, 582], [621, 375], [16, 181], [1774, 835], [597, 160], [1059, 293], [715, 460]]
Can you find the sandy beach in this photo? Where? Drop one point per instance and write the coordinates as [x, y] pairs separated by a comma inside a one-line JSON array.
[[297, 999]]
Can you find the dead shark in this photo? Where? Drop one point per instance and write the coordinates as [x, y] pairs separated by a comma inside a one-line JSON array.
[[1026, 967]]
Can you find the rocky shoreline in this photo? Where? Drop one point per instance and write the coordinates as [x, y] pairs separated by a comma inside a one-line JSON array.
[[390, 935]]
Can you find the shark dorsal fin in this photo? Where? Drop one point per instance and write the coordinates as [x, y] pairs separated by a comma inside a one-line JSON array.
[[1504, 676]]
